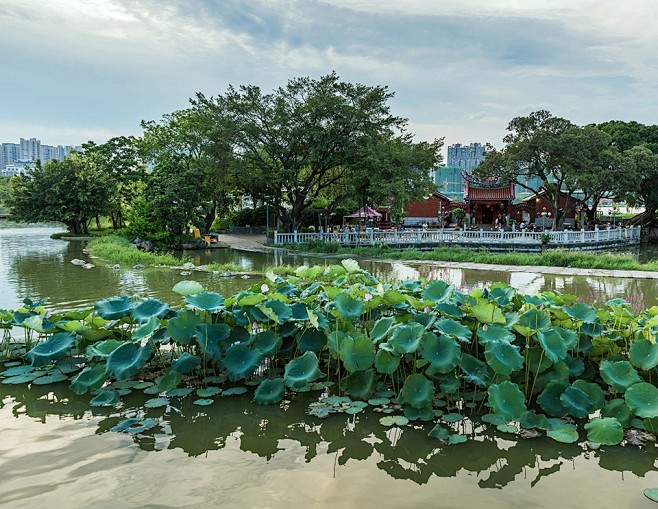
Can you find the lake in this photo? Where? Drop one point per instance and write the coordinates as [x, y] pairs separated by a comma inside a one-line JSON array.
[[57, 451]]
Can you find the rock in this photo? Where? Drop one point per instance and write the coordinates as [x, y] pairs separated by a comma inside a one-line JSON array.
[[185, 273], [188, 266], [78, 262], [138, 267], [116, 266], [145, 245], [85, 251], [245, 276], [88, 266]]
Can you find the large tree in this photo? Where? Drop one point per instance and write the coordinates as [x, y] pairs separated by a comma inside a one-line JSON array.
[[305, 140], [200, 149], [72, 191]]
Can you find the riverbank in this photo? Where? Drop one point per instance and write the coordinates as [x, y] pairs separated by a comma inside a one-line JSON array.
[[631, 269]]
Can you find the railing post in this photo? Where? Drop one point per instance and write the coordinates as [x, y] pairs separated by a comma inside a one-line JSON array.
[[481, 235], [295, 237], [596, 234], [582, 235], [321, 234], [372, 237], [276, 237], [418, 236], [396, 236], [609, 233], [441, 235]]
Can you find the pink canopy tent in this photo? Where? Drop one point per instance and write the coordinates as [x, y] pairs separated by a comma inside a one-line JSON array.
[[365, 212]]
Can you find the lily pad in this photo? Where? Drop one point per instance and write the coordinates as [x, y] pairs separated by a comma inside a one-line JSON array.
[[234, 391], [301, 370], [417, 391], [348, 307], [507, 400], [105, 397], [394, 420], [270, 392], [644, 354], [619, 374], [605, 431], [156, 402], [185, 288], [642, 398], [113, 308], [357, 353], [55, 347], [135, 425], [203, 402]]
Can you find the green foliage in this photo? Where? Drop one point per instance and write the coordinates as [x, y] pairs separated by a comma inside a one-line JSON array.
[[287, 337]]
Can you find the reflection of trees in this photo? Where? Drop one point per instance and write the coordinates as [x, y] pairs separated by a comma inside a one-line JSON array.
[[403, 453]]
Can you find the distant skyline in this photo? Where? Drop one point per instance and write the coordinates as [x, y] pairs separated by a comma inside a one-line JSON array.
[[76, 71]]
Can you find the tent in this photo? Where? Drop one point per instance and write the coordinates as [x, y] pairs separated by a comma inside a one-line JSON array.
[[365, 212]]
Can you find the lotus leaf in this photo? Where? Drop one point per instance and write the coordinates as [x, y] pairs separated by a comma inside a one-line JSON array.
[[558, 372], [309, 272], [536, 360], [170, 380], [17, 370], [644, 354], [182, 327], [453, 328], [210, 336], [234, 391], [486, 312], [619, 374], [417, 391], [241, 361], [186, 363], [361, 384], [276, 311], [475, 371], [114, 308], [270, 391], [442, 352], [208, 392], [605, 431], [549, 400], [507, 400], [267, 343], [357, 353], [135, 425], [531, 420], [351, 266], [642, 398], [406, 338], [348, 307], [127, 360], [381, 328], [203, 402], [103, 348], [651, 494], [106, 397], [393, 298], [156, 402], [503, 357], [20, 379], [181, 392], [311, 340], [55, 347], [386, 362], [317, 319], [50, 378], [146, 329], [419, 414], [577, 403], [186, 288], [438, 291], [394, 420], [618, 409], [564, 435], [207, 301], [301, 370], [582, 312], [439, 432], [452, 417], [494, 333], [39, 324], [596, 394], [379, 401], [449, 309], [89, 379], [144, 310], [553, 344], [576, 366]]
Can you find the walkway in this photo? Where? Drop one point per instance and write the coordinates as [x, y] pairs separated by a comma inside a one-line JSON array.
[[256, 243]]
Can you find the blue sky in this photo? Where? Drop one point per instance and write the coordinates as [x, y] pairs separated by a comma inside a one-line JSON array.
[[75, 70]]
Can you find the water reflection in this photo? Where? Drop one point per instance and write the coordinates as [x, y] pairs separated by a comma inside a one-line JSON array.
[[406, 453]]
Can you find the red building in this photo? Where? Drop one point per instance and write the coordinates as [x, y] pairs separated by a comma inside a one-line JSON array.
[[429, 211]]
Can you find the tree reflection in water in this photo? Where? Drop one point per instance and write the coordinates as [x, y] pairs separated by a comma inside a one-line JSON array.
[[497, 459]]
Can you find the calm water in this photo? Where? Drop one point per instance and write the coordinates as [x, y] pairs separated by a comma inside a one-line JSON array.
[[56, 452]]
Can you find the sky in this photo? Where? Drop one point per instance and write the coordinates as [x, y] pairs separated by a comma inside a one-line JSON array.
[[78, 70]]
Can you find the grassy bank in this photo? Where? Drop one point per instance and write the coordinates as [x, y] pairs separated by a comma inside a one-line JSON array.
[[119, 250], [549, 258]]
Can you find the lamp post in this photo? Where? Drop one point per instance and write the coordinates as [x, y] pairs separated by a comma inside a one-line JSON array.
[[267, 220]]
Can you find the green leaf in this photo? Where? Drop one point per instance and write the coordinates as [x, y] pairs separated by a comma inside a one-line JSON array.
[[438, 291], [503, 357], [348, 307], [494, 333], [55, 347], [241, 361], [564, 435], [301, 370], [507, 400], [148, 308], [619, 374], [381, 328], [351, 266], [644, 354], [442, 352], [651, 494], [605, 431], [553, 344], [417, 391], [642, 398], [105, 397], [406, 338], [127, 360], [113, 308], [270, 392], [267, 342], [582, 312], [394, 420], [577, 403], [182, 327], [311, 340], [170, 380], [361, 384], [205, 301], [618, 409], [209, 337], [89, 379], [146, 329], [486, 312], [185, 288], [549, 400], [453, 328], [386, 362], [358, 353], [186, 363]]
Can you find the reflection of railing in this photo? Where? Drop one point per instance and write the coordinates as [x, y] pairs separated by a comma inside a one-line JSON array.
[[487, 238]]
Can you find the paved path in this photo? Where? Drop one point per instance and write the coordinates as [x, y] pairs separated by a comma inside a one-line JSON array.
[[256, 243]]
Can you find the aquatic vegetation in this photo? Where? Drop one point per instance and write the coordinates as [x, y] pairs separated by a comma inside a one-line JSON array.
[[418, 351]]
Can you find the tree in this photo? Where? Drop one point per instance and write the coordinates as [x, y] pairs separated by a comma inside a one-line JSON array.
[[561, 156], [72, 191], [200, 149], [303, 140], [120, 159], [641, 181]]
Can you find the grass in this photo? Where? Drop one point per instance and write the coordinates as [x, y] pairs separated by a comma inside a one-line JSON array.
[[115, 249], [549, 258]]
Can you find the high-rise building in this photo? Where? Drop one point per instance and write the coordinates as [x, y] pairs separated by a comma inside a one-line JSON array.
[[466, 157], [30, 150]]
